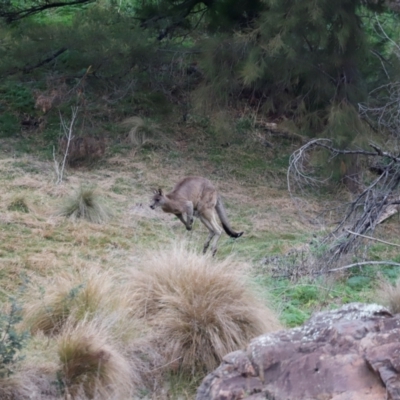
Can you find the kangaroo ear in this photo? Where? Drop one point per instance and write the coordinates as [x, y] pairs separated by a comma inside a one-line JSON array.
[[160, 192]]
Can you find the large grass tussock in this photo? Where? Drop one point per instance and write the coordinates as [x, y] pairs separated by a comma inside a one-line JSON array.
[[90, 366], [202, 308], [73, 296]]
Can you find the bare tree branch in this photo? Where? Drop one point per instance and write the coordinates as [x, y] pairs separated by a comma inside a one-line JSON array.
[[68, 136], [360, 264], [28, 69], [372, 238], [362, 214], [12, 14]]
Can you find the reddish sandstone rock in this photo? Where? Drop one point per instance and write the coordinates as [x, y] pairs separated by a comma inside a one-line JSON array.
[[352, 353]]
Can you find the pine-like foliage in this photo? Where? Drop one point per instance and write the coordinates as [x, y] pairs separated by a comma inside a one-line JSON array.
[[312, 49], [96, 37], [170, 18], [299, 59]]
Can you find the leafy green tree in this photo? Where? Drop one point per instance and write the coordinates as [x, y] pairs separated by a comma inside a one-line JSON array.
[[300, 59]]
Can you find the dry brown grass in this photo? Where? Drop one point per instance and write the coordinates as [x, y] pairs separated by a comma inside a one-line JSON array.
[[74, 295], [389, 295], [140, 131], [201, 308], [91, 366], [148, 366]]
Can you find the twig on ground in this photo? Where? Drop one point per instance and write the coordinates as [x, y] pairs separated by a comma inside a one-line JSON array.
[[372, 238], [360, 264]]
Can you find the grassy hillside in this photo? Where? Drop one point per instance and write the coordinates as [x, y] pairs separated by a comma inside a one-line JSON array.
[[43, 254]]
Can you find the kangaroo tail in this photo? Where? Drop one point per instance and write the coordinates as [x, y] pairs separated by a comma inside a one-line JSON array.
[[224, 219]]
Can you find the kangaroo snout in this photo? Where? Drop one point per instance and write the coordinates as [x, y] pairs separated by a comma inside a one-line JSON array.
[[152, 206]]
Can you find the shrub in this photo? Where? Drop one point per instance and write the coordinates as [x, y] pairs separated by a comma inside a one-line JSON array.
[[80, 150], [9, 125], [201, 308], [90, 365], [85, 203], [11, 341]]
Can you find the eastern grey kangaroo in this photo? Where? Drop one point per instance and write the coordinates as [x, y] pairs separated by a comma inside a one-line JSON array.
[[196, 196]]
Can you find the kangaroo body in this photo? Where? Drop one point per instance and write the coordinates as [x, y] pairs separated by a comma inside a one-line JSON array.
[[195, 196]]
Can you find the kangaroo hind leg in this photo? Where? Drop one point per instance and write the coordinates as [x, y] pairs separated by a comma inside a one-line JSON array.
[[218, 232], [209, 220], [189, 215], [211, 234]]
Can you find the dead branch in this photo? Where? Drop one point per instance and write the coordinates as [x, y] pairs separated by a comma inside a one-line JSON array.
[[374, 239], [68, 135], [387, 113], [30, 68], [366, 211], [360, 264], [11, 14], [299, 174]]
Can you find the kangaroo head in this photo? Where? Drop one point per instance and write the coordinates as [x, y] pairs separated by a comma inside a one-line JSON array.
[[158, 199]]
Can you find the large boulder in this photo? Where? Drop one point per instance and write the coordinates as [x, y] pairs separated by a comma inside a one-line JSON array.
[[349, 353]]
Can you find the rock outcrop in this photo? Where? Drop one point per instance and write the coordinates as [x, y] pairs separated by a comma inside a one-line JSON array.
[[349, 353]]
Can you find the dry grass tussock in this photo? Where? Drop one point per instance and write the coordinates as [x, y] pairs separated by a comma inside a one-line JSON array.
[[91, 366], [70, 296], [201, 308], [86, 204], [33, 386], [28, 384], [141, 131], [97, 357], [18, 203], [389, 295]]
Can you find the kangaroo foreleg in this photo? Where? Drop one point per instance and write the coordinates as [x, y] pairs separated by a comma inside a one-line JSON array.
[[180, 216], [188, 221], [189, 215]]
